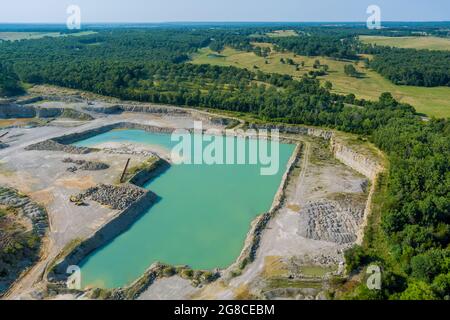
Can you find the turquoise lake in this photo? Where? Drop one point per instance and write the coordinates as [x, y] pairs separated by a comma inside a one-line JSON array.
[[201, 220]]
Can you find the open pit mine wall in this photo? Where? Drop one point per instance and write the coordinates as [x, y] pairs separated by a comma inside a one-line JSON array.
[[155, 109], [344, 153], [78, 136], [357, 161], [107, 233], [160, 110], [13, 110]]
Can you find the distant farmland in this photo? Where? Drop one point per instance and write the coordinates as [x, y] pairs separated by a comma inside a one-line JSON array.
[[430, 101], [16, 36], [432, 43]]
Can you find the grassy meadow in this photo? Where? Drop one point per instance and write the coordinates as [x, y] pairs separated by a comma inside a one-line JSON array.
[[282, 33], [370, 85], [431, 43], [16, 36]]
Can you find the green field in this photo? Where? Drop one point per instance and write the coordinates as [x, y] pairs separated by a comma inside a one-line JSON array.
[[16, 36], [432, 43], [276, 34], [282, 33], [430, 101]]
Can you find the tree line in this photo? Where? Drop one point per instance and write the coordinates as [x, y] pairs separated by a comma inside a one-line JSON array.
[[424, 68], [9, 81]]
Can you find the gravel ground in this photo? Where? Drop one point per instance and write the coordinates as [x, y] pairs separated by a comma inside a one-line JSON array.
[[51, 145], [115, 197], [86, 165]]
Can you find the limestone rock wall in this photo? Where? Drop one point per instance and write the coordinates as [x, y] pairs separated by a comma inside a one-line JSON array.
[[355, 160], [14, 110], [346, 154]]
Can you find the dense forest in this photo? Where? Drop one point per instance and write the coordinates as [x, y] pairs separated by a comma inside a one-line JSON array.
[[153, 66], [114, 45], [9, 81], [415, 213], [423, 68], [313, 45]]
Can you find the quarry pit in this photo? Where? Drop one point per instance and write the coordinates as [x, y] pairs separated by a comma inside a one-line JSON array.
[[291, 251]]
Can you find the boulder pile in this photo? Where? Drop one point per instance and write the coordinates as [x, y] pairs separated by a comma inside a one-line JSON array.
[[51, 145], [26, 208], [115, 197], [332, 221], [85, 165]]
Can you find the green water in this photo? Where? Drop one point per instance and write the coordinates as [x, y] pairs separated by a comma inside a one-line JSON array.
[[202, 218]]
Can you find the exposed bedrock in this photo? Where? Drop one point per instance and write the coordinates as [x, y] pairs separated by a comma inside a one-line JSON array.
[[26, 209], [16, 111], [52, 145], [154, 109], [115, 109], [23, 111], [23, 224], [119, 108], [13, 110], [315, 132], [115, 197], [78, 136], [59, 98], [119, 224], [332, 221], [359, 162], [87, 165], [159, 110]]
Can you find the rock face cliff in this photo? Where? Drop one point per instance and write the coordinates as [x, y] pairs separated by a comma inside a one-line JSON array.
[[14, 110], [341, 150], [357, 161], [364, 164], [119, 108]]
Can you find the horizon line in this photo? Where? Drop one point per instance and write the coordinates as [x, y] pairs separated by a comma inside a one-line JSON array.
[[218, 21]]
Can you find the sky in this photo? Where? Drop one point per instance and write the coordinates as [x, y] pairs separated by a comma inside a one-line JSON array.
[[54, 11]]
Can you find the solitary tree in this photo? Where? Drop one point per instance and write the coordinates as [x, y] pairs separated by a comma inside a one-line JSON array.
[[350, 70], [316, 64]]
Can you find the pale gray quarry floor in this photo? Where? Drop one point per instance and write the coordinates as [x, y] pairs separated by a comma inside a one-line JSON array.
[[173, 288]]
